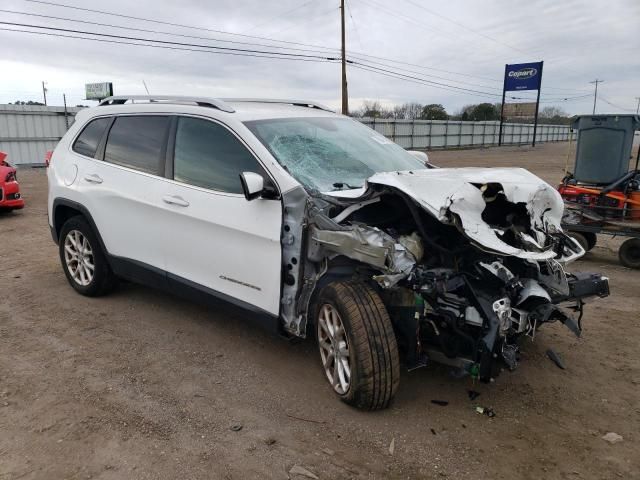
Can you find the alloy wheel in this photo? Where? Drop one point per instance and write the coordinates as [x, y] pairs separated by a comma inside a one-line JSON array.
[[334, 349], [78, 256]]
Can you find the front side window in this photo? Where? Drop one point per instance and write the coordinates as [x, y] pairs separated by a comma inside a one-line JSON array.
[[208, 155], [330, 153], [137, 142], [87, 142]]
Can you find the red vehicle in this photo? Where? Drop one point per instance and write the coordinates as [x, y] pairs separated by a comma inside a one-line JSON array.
[[10, 198]]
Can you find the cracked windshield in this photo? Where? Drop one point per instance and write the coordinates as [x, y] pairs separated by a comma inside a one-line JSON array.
[[330, 154]]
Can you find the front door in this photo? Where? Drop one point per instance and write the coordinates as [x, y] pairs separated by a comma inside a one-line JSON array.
[[216, 238]]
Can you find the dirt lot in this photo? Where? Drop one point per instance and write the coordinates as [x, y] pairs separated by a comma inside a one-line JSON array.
[[144, 385]]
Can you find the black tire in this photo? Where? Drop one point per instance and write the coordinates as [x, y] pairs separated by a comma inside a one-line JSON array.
[[103, 280], [581, 239], [372, 347], [629, 253]]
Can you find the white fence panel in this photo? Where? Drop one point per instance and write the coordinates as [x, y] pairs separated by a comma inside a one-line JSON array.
[[429, 134], [28, 131]]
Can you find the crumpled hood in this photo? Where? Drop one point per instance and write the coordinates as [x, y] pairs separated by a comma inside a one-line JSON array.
[[444, 190]]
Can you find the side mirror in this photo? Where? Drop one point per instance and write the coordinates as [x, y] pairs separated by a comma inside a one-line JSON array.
[[423, 157], [252, 185]]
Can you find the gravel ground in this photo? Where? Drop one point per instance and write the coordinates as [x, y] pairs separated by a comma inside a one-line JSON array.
[[140, 384]]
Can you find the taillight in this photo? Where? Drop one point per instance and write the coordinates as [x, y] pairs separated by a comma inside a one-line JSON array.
[[11, 177], [47, 157]]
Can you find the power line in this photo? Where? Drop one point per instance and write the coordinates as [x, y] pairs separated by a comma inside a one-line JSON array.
[[291, 25], [425, 74], [167, 42], [350, 54], [431, 12], [173, 24], [407, 19], [565, 99], [199, 47], [167, 47], [314, 48], [160, 32], [422, 80], [353, 22], [616, 106], [239, 52], [282, 14]]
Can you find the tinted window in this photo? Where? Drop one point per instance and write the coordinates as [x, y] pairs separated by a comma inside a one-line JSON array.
[[87, 142], [137, 142], [210, 156]]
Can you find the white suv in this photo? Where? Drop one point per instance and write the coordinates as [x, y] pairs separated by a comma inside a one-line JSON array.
[[315, 224]]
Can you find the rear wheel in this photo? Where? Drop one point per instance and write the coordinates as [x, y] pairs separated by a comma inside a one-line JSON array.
[[83, 261], [357, 344], [629, 253]]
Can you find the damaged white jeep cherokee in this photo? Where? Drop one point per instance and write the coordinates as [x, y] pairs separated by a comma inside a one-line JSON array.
[[316, 225]]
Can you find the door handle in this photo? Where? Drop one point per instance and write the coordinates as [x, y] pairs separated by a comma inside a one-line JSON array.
[[175, 200], [93, 178]]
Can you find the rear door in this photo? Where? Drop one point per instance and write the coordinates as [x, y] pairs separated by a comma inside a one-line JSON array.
[[215, 238], [124, 188]]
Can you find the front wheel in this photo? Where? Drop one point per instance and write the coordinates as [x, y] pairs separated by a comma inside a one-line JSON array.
[[357, 344]]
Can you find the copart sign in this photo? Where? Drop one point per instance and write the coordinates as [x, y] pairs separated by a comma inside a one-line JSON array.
[[523, 76]]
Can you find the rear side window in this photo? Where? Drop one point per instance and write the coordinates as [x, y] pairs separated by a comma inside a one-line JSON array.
[[138, 142], [208, 155], [87, 142]]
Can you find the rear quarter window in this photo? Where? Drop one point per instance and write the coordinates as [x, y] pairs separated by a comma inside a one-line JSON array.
[[87, 142]]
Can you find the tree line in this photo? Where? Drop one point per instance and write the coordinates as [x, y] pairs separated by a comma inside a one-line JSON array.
[[479, 112], [436, 111]]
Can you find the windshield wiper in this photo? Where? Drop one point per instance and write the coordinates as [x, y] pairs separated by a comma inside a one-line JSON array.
[[343, 185]]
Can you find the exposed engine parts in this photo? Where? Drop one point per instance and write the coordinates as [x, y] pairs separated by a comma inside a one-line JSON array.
[[466, 267]]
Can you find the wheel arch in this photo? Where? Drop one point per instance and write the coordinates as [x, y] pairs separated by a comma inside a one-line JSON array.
[[338, 268], [64, 209]]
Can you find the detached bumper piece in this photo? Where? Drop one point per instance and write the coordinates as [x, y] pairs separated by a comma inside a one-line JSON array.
[[584, 284]]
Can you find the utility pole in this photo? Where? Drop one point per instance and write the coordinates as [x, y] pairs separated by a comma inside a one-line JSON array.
[[638, 107], [44, 93], [66, 114], [345, 95], [595, 96]]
